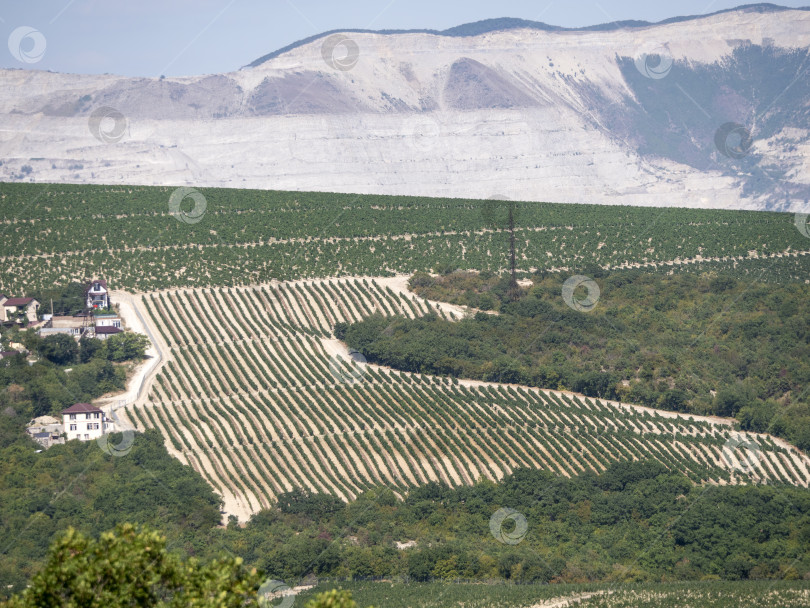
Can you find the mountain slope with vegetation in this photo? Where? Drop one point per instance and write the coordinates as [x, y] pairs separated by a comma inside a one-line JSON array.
[[707, 344]]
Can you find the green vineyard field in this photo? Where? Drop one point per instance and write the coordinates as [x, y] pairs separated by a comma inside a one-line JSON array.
[[693, 595], [256, 396], [53, 234]]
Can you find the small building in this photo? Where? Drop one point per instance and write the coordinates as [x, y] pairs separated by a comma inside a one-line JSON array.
[[108, 320], [29, 307], [84, 421], [105, 331], [73, 326], [46, 439], [84, 324], [97, 294], [46, 431]]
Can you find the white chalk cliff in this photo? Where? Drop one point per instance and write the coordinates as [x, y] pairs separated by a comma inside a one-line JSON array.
[[522, 112]]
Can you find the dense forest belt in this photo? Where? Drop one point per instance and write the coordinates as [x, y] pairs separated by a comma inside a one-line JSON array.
[[53, 234], [257, 395], [634, 522]]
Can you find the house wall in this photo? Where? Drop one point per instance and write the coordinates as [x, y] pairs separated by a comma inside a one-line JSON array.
[[50, 440], [44, 428], [75, 332], [108, 322], [31, 313], [84, 426], [8, 311], [73, 326], [65, 322], [102, 301], [99, 296]]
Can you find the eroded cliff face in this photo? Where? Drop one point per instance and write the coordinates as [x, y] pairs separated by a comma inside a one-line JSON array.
[[711, 112]]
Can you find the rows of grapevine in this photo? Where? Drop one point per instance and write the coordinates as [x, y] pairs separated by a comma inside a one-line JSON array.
[[703, 594], [242, 215], [58, 233], [788, 268], [255, 398], [150, 269]]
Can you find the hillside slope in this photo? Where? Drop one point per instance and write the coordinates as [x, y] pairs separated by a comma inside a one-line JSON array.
[[257, 396]]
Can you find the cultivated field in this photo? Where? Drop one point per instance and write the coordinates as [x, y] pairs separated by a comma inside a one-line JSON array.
[[253, 391], [746, 594], [256, 395], [58, 233]]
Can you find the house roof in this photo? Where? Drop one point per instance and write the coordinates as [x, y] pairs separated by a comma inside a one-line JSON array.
[[18, 301], [67, 322], [9, 353], [107, 329], [81, 408], [102, 283]]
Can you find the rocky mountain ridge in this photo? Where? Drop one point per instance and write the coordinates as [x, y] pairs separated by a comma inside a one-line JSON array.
[[709, 111]]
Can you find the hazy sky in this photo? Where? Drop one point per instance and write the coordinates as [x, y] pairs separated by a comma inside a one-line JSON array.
[[185, 37]]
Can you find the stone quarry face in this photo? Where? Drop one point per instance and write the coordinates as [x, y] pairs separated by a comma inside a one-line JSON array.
[[710, 112]]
